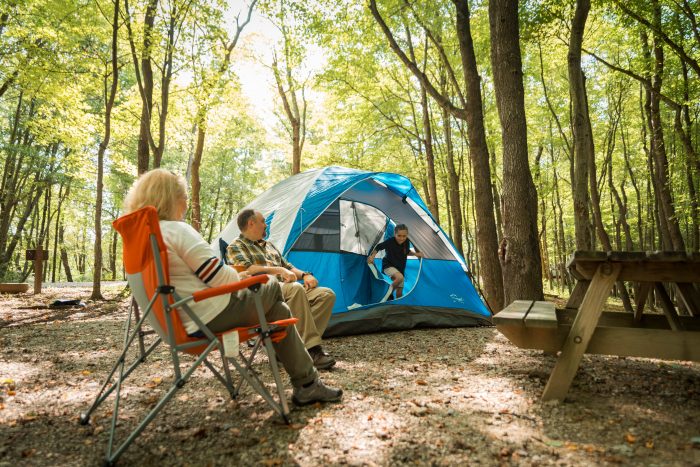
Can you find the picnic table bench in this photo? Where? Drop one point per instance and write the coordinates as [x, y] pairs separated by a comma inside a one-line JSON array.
[[583, 326]]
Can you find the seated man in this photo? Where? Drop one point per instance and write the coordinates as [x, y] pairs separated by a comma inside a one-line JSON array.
[[311, 304]]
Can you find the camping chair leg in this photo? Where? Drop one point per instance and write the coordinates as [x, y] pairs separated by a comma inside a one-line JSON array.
[[135, 309], [271, 356], [128, 340], [252, 379], [225, 379], [248, 361], [177, 384]]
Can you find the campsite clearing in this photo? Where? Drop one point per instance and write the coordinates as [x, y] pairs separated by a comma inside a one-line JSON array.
[[431, 396]]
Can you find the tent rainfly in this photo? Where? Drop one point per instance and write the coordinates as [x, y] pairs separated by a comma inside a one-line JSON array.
[[328, 221]]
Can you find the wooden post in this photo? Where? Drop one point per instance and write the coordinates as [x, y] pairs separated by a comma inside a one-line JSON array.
[[38, 256]]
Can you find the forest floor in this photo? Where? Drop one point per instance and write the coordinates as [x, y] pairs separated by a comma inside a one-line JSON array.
[[428, 397]]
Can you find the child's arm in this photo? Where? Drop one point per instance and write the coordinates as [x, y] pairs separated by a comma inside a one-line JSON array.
[[415, 252], [379, 247], [370, 258]]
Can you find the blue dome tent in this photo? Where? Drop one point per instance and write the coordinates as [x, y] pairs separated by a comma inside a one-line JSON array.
[[328, 220]]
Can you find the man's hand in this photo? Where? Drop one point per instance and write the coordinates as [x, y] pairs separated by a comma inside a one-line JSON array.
[[370, 259], [310, 282], [419, 254], [287, 275]]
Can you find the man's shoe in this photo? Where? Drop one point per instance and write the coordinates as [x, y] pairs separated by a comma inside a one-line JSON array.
[[315, 392], [322, 360]]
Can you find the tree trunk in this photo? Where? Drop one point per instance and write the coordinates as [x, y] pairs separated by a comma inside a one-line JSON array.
[[64, 255], [582, 148], [113, 254], [202, 117], [143, 149], [196, 213], [519, 251], [486, 235], [296, 117], [692, 161], [453, 184], [109, 103], [62, 195], [667, 212], [429, 156], [544, 247]]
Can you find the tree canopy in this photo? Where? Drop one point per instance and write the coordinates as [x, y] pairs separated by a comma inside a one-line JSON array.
[[608, 137]]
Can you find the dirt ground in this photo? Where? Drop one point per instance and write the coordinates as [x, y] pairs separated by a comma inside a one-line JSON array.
[[428, 397]]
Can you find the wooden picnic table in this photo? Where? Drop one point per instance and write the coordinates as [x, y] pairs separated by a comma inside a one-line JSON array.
[[583, 326]]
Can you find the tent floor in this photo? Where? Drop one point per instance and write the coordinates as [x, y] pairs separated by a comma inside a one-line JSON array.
[[400, 318]]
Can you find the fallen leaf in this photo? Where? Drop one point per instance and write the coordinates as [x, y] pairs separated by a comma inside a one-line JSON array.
[[630, 438], [85, 372], [571, 446], [154, 382], [421, 382], [369, 417], [554, 443], [649, 444], [11, 393]]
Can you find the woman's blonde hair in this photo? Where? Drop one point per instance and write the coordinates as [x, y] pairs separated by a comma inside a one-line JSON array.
[[159, 188]]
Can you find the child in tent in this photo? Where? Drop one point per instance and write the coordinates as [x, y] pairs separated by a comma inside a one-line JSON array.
[[397, 251]]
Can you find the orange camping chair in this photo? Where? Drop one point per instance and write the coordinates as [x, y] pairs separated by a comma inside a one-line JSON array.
[[146, 264]]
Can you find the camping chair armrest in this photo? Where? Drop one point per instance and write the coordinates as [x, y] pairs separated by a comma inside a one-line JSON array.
[[229, 288]]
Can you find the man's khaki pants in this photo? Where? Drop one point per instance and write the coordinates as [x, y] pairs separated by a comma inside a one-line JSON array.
[[313, 309]]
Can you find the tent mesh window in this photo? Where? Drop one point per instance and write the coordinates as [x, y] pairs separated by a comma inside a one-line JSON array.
[[323, 234], [361, 227], [347, 226]]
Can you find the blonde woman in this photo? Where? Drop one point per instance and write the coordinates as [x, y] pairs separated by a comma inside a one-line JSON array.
[[193, 266]]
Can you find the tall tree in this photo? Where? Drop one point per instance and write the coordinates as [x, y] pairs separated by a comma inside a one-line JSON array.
[[211, 85], [177, 12], [580, 123], [144, 76], [519, 251], [470, 110], [290, 88], [113, 73]]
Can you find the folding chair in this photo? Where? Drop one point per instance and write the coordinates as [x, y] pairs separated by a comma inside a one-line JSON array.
[[146, 265]]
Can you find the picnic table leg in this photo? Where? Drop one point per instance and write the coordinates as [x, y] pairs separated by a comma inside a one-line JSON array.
[[690, 297], [641, 299], [581, 331], [578, 293], [673, 321]]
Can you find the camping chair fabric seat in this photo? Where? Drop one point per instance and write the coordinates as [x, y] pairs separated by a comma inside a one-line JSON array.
[[146, 264]]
